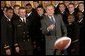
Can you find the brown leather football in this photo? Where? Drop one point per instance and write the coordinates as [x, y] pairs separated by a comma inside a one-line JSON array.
[[62, 43]]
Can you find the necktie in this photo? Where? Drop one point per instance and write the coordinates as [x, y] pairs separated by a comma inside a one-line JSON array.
[[24, 20], [53, 21]]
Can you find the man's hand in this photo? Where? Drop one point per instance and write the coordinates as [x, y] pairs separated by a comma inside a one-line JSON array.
[[17, 49], [51, 27], [8, 52]]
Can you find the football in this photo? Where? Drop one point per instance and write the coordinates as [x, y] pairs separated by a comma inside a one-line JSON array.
[[62, 43]]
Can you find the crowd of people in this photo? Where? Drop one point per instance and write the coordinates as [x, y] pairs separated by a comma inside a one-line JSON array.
[[33, 30]]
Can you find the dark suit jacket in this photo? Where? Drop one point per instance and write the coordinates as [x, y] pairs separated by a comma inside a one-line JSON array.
[[20, 30], [6, 30], [73, 31], [6, 33], [74, 14], [21, 36], [2, 14], [64, 16], [34, 25]]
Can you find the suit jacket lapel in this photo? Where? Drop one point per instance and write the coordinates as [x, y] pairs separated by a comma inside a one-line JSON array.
[[55, 18]]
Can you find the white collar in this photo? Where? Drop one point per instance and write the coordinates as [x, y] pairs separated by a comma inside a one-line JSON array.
[[7, 17], [22, 18], [40, 14], [56, 5], [76, 6], [83, 10], [80, 20], [62, 12], [29, 13], [71, 12], [50, 16]]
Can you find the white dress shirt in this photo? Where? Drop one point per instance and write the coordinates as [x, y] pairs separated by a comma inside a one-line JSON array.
[[51, 18], [29, 14], [23, 19]]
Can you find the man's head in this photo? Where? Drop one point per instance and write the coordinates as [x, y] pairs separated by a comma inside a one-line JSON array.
[[13, 3], [50, 10], [28, 8], [70, 19], [46, 3], [22, 12], [9, 12], [3, 4], [16, 9], [71, 7], [66, 3], [62, 7], [40, 10], [36, 4], [81, 6], [75, 2]]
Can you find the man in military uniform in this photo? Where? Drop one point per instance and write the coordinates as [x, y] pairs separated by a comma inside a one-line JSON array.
[[7, 32], [22, 39]]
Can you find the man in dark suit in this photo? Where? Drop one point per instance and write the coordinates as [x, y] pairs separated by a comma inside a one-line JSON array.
[[73, 33], [34, 27], [7, 32], [22, 39], [80, 23], [71, 10], [16, 10], [63, 12], [81, 7], [82, 29], [52, 27], [40, 40]]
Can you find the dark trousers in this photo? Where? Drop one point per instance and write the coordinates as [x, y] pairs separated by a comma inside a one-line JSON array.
[[74, 49], [26, 47]]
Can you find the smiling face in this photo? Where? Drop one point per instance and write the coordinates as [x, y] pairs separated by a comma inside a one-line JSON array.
[[50, 10], [70, 19], [81, 7], [40, 11], [61, 7], [71, 8], [9, 13], [22, 13], [16, 10], [28, 8]]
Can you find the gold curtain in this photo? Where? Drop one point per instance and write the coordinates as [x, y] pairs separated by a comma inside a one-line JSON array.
[[23, 3]]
